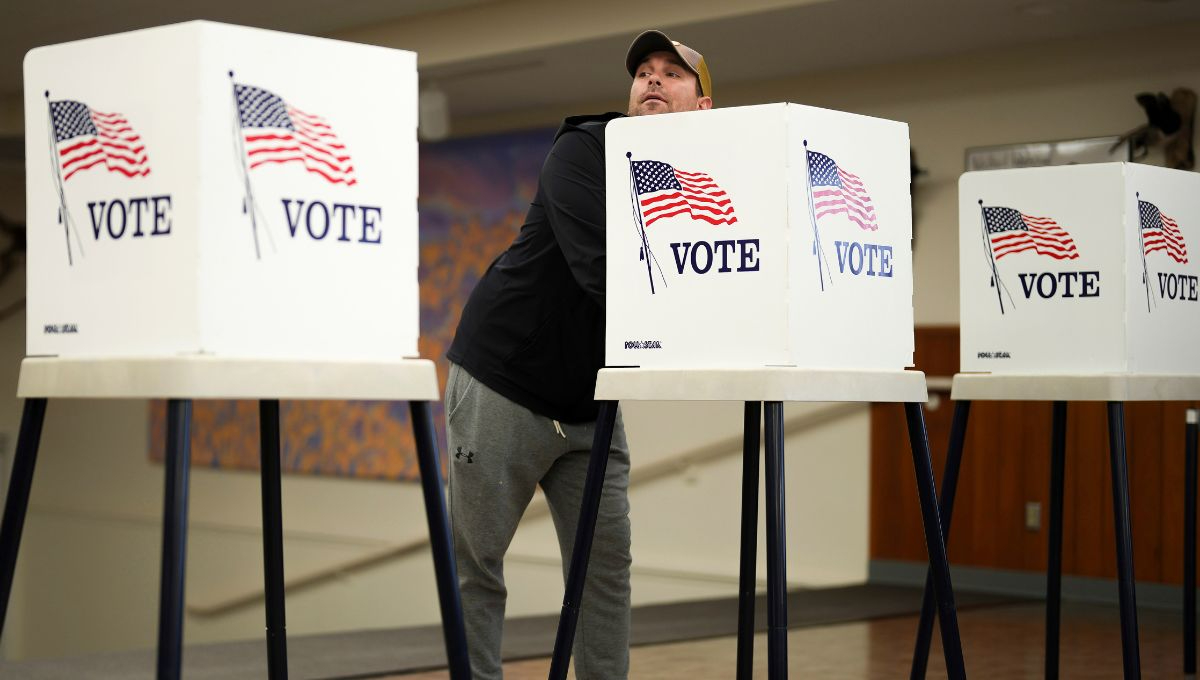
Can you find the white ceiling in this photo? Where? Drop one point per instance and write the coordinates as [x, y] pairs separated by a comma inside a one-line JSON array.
[[803, 38]]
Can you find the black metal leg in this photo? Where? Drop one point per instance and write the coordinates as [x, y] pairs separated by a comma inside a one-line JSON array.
[[934, 541], [174, 546], [1058, 456], [444, 567], [958, 433], [17, 501], [777, 664], [272, 516], [1120, 486], [749, 545], [1189, 544], [593, 486]]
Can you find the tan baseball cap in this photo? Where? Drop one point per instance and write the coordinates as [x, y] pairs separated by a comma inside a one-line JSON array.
[[657, 41]]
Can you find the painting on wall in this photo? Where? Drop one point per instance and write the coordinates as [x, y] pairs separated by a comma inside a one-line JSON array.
[[474, 194]]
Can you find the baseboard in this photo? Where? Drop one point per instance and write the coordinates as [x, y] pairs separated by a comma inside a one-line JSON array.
[[1026, 584]]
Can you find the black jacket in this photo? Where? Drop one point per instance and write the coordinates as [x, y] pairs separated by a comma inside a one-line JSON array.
[[533, 328]]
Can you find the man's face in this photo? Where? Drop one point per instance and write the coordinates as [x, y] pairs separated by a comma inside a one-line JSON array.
[[663, 85]]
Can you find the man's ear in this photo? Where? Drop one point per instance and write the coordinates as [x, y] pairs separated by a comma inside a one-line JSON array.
[[704, 103]]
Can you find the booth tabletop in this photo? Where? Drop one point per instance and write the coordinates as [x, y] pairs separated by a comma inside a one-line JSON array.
[[1110, 387], [202, 377], [768, 383]]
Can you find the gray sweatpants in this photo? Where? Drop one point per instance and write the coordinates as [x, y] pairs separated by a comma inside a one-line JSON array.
[[499, 452]]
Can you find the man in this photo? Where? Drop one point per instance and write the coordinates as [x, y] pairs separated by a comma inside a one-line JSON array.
[[520, 407]]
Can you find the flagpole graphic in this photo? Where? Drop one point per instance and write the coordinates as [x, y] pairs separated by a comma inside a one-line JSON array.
[[1142, 247], [637, 210], [248, 205], [818, 251], [64, 214], [987, 245]]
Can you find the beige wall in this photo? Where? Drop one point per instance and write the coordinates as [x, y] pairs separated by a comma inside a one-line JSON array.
[[88, 575]]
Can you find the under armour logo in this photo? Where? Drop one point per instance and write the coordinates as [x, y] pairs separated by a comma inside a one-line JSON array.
[[469, 455]]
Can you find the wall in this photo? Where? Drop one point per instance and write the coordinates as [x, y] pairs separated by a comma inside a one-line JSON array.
[[1006, 464]]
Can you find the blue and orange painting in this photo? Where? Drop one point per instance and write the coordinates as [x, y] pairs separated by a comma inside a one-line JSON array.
[[474, 194]]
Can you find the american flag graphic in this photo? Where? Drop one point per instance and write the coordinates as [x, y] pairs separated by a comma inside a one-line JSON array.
[[276, 132], [836, 190], [1012, 231], [666, 192], [1160, 232], [85, 138]]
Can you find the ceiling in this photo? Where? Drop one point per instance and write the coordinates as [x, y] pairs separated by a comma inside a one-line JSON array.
[[788, 38], [25, 24], [796, 40]]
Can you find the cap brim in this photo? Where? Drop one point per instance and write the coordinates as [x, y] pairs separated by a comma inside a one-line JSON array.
[[647, 42]]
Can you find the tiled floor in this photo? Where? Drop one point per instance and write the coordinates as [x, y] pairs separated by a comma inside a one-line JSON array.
[[998, 643]]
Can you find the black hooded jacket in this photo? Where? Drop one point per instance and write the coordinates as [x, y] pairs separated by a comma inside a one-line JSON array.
[[533, 328]]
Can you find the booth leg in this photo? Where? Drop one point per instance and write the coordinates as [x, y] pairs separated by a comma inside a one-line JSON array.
[[272, 517], [442, 545], [17, 501], [958, 433], [590, 508], [1189, 544], [777, 663], [751, 429], [1120, 485], [934, 542], [1058, 454], [174, 544]]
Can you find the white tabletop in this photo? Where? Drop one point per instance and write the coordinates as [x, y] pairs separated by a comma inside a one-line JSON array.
[[1112, 387], [205, 377], [768, 383]]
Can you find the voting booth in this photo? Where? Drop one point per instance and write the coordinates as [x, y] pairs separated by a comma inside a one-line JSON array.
[[1076, 284], [760, 254], [224, 212], [790, 220], [1080, 269], [255, 206]]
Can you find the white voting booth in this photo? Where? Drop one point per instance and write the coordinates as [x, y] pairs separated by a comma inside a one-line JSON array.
[[211, 199], [1076, 284], [225, 212], [760, 254], [1080, 270], [776, 235]]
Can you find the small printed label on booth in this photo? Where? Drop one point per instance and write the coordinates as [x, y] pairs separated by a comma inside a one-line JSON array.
[[57, 328], [994, 355]]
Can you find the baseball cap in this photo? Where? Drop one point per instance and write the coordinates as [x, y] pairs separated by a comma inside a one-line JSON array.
[[657, 41]]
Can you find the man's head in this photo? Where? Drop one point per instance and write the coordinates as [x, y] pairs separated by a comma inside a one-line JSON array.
[[667, 76]]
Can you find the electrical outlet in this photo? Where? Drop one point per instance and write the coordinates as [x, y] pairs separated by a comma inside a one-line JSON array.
[[1033, 516]]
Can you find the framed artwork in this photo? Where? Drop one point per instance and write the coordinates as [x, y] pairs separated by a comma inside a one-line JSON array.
[[1038, 154]]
